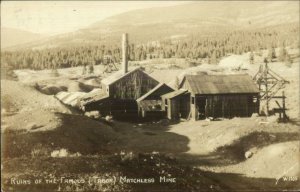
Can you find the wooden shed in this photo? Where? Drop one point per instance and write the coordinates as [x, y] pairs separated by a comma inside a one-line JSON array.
[[150, 104], [176, 104], [214, 96]]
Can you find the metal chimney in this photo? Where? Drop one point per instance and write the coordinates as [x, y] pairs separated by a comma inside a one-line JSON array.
[[125, 53]]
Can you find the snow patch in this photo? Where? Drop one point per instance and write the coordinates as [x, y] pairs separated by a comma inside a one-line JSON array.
[[236, 62]]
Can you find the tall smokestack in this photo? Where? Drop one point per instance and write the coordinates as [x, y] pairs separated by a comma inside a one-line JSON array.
[[125, 53]]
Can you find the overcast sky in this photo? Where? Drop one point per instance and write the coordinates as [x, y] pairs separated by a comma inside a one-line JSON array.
[[53, 17]]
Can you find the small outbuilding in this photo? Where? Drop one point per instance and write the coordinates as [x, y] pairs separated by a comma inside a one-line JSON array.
[[150, 104], [176, 104]]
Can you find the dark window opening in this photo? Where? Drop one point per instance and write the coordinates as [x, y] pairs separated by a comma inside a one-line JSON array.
[[193, 100]]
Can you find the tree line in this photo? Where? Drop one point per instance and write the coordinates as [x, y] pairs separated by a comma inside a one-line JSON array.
[[211, 46]]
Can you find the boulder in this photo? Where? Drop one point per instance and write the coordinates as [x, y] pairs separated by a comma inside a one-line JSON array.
[[254, 115], [109, 118], [248, 154], [93, 114]]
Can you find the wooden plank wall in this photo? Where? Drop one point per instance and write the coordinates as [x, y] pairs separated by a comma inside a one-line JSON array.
[[185, 105], [230, 106], [132, 86]]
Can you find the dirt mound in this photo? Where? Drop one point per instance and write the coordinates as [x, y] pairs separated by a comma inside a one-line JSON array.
[[75, 133], [52, 89], [274, 161], [7, 73], [86, 87], [26, 96], [92, 81], [26, 108], [213, 135], [235, 152], [74, 87], [277, 161]]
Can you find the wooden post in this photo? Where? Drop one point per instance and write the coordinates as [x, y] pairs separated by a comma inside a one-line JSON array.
[[223, 100], [196, 109], [267, 97], [125, 53], [247, 106], [283, 107]]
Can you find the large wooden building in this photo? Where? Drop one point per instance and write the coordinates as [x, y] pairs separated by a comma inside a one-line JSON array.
[[202, 96], [120, 91]]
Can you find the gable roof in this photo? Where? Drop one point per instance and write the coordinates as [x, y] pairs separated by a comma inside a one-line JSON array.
[[119, 75], [152, 91], [220, 84], [175, 93]]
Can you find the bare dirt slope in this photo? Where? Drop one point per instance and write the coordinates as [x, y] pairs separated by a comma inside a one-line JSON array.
[[221, 146], [23, 107], [273, 161]]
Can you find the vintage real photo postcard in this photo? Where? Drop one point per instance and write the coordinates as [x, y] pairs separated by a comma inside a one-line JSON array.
[[150, 96]]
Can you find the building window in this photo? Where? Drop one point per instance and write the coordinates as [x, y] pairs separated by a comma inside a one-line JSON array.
[[166, 102], [193, 100], [107, 89]]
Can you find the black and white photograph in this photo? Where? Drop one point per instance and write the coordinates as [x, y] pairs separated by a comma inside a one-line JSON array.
[[150, 96]]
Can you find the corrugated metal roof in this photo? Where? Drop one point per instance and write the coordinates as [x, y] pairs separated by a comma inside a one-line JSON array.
[[174, 93], [151, 91], [221, 84], [94, 96], [70, 98]]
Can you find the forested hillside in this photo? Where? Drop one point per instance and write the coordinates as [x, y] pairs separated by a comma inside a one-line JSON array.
[[212, 46]]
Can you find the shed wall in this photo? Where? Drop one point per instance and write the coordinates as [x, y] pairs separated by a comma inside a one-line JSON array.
[[132, 86], [230, 106]]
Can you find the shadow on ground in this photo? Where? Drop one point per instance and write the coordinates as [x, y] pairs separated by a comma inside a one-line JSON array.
[[81, 134], [100, 145], [235, 152]]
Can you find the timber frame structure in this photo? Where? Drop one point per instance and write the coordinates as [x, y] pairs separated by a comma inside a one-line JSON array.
[[269, 84]]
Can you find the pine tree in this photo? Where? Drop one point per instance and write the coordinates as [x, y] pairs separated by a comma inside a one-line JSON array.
[[251, 57], [271, 54], [288, 61], [282, 54], [213, 58]]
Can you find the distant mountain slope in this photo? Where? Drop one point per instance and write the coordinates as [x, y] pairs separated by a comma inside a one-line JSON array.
[[243, 13], [164, 22], [12, 37]]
